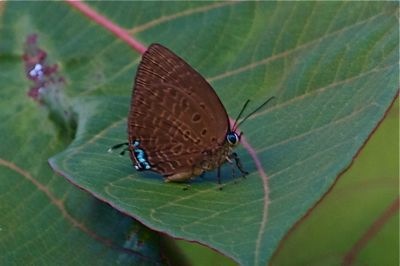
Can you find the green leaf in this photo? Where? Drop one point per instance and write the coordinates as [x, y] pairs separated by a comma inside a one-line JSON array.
[[331, 65], [44, 219], [356, 219]]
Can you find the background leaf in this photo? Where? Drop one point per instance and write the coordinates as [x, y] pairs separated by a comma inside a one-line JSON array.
[[362, 197], [332, 66], [44, 219]]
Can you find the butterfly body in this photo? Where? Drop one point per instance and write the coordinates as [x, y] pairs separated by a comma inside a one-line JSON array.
[[210, 160], [177, 126]]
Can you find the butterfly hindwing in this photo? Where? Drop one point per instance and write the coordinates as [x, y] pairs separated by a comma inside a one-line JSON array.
[[175, 114]]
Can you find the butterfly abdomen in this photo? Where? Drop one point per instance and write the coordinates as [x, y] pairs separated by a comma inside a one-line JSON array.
[[210, 160]]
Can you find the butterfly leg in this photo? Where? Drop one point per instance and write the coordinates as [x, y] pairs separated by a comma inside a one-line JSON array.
[[122, 153], [233, 171], [230, 161], [219, 175], [117, 146], [219, 178], [235, 157]]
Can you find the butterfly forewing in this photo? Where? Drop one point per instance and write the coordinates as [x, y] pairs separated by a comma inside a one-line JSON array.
[[175, 114]]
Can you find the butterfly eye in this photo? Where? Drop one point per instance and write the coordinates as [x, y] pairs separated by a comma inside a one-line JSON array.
[[232, 138]]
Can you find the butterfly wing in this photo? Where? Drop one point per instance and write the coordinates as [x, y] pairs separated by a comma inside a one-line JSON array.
[[175, 114]]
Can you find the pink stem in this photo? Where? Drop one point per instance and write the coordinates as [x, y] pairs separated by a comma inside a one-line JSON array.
[[106, 23], [253, 155]]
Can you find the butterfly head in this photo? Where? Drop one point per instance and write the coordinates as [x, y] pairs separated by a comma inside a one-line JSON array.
[[233, 138]]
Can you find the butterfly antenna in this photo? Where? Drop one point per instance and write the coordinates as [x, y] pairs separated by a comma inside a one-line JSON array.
[[255, 111], [240, 114]]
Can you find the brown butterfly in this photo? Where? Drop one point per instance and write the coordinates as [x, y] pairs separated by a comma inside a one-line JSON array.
[[177, 125]]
